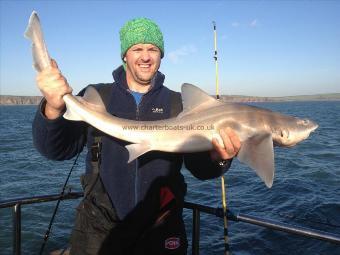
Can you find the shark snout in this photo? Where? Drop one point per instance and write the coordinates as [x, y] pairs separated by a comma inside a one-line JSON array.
[[307, 125], [309, 128], [312, 126], [301, 132]]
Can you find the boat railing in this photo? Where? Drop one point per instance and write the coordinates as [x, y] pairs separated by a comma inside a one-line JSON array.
[[16, 205]]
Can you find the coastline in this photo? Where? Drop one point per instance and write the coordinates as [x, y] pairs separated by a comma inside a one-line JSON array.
[[300, 98], [20, 100], [35, 100]]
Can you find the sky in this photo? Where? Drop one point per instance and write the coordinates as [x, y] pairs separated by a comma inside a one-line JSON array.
[[265, 48]]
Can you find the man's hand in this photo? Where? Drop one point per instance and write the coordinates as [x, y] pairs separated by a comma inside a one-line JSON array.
[[53, 86], [231, 143]]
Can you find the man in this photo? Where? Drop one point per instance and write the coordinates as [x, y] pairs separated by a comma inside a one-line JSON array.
[[129, 208]]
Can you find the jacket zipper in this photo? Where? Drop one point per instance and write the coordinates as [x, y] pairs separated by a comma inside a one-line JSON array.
[[136, 164]]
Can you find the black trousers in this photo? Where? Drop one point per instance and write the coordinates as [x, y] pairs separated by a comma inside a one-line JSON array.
[[146, 230]]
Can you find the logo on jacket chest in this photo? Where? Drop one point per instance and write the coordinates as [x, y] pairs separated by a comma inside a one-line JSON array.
[[157, 110]]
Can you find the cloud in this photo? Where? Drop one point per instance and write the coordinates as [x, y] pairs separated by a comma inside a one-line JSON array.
[[176, 55], [235, 24], [254, 23]]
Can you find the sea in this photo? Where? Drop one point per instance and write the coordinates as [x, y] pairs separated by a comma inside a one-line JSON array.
[[306, 189]]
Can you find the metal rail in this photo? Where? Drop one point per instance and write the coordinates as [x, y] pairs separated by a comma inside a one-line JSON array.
[[16, 205], [275, 225]]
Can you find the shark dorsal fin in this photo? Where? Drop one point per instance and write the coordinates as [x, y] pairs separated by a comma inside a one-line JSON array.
[[193, 97], [93, 99]]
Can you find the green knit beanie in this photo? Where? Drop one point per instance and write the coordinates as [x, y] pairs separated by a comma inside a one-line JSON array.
[[140, 30]]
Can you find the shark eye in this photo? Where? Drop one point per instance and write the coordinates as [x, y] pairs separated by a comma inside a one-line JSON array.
[[303, 122], [284, 133]]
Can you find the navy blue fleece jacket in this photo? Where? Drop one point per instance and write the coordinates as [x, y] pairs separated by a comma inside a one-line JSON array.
[[126, 183]]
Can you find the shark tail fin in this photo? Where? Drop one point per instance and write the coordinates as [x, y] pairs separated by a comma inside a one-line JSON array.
[[31, 23], [258, 153], [137, 149], [41, 58]]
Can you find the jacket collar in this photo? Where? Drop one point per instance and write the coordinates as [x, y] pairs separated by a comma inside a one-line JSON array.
[[119, 77]]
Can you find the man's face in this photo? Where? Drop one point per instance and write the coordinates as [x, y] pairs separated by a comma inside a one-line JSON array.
[[142, 63]]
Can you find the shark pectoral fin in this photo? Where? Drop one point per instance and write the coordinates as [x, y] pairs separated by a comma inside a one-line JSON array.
[[257, 152], [137, 149]]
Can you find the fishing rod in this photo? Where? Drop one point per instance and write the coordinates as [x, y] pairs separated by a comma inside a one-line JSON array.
[[48, 231], [216, 62], [223, 188]]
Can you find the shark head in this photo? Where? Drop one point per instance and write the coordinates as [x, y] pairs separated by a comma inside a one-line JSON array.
[[293, 131]]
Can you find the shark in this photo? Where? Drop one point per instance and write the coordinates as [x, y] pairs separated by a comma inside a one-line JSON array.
[[193, 129]]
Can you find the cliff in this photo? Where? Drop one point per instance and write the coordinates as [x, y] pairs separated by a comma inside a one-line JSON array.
[[317, 97], [34, 100], [20, 100]]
